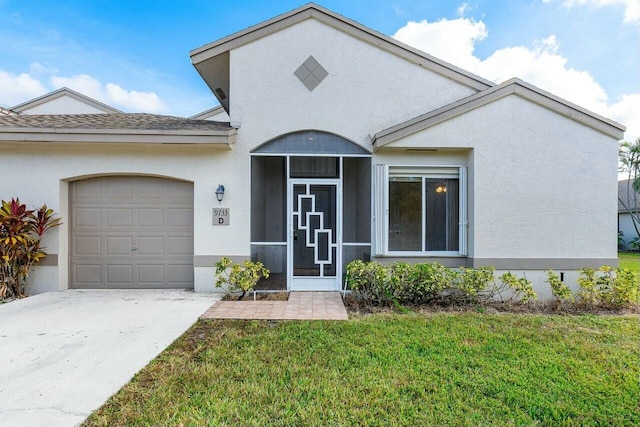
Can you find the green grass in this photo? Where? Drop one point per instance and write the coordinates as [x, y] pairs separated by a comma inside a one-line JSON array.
[[395, 369], [630, 261]]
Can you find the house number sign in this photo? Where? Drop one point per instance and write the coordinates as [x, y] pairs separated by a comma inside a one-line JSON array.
[[220, 216]]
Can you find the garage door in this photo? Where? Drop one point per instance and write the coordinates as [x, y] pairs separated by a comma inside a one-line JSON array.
[[131, 232]]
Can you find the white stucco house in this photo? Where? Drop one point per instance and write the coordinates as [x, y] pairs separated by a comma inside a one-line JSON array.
[[333, 142]]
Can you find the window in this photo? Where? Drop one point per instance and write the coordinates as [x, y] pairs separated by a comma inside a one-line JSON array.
[[424, 212]]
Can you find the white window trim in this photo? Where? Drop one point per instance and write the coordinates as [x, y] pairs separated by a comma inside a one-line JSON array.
[[382, 174]]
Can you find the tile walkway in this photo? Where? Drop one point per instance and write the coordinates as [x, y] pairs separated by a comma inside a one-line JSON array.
[[300, 306]]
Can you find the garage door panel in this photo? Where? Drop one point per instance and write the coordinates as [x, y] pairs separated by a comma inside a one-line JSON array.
[[131, 232], [180, 245], [179, 274], [119, 245], [150, 217], [87, 246], [87, 217], [88, 274], [117, 189], [149, 274], [179, 218], [151, 246], [179, 192], [87, 191], [120, 273], [119, 217], [146, 189]]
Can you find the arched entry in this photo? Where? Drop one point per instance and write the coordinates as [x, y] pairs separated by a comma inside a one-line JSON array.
[[311, 208], [131, 232]]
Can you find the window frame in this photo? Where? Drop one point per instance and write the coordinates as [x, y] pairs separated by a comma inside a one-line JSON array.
[[422, 172]]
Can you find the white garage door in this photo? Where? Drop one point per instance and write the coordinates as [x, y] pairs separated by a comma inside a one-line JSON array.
[[131, 232]]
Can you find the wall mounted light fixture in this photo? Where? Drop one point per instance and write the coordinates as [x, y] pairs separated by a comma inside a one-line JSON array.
[[220, 193]]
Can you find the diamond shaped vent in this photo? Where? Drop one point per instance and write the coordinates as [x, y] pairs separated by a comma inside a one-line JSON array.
[[311, 73]]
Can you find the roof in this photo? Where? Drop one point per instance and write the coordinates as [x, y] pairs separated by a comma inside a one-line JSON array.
[[64, 91], [208, 113], [510, 87], [116, 127], [212, 58], [625, 193]]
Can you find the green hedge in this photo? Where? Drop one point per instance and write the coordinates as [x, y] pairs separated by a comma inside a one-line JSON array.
[[433, 283]]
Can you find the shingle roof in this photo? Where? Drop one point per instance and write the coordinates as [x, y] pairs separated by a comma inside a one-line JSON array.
[[120, 121], [625, 192]]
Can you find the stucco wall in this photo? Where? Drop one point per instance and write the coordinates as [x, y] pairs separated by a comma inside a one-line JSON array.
[[367, 89], [544, 185]]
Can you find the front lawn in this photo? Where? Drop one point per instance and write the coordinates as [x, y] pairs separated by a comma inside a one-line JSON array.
[[391, 369]]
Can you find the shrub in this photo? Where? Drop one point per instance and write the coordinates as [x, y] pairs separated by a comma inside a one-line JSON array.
[[607, 287], [429, 280], [370, 280], [21, 232], [422, 283], [559, 289], [616, 287], [239, 277], [521, 288], [474, 283], [588, 293]]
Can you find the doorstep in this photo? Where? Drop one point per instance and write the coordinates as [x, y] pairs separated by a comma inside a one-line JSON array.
[[300, 306]]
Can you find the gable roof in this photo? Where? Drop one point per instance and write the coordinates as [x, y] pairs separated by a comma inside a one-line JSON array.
[[208, 113], [214, 56], [115, 127], [512, 86], [64, 91]]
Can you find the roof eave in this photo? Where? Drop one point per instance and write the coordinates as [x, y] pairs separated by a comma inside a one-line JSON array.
[[61, 92], [509, 87], [114, 136], [342, 23]]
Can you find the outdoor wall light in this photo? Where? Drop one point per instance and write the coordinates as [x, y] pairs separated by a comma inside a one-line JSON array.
[[220, 193]]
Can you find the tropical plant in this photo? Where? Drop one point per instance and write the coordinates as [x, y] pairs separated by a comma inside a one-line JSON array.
[[21, 232], [239, 277]]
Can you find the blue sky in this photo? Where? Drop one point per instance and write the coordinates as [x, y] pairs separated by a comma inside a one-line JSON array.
[[134, 55]]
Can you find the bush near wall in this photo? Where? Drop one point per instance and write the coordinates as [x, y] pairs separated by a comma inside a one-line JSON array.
[[21, 232], [433, 283]]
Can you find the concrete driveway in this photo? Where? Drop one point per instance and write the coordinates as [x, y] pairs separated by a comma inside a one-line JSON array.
[[63, 354]]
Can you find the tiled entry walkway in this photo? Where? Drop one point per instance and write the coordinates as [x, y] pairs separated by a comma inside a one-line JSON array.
[[300, 306]]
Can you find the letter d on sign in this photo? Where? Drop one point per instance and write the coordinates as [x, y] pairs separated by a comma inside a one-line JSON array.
[[221, 216]]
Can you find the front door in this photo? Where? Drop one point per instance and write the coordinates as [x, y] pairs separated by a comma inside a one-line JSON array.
[[315, 229]]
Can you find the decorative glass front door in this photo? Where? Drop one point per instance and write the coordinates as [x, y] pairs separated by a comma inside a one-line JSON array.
[[314, 238]]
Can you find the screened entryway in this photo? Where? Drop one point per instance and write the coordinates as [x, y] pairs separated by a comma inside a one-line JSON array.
[[310, 209]]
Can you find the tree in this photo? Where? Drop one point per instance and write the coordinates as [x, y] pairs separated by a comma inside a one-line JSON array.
[[629, 156]]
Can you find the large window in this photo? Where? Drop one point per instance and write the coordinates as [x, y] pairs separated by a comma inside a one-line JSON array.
[[424, 212]]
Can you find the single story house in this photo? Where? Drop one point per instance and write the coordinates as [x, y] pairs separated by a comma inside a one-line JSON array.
[[336, 143]]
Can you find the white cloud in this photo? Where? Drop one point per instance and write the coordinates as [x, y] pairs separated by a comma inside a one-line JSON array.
[[134, 100], [627, 112], [451, 40], [17, 88], [463, 9], [631, 7], [112, 94], [541, 65]]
